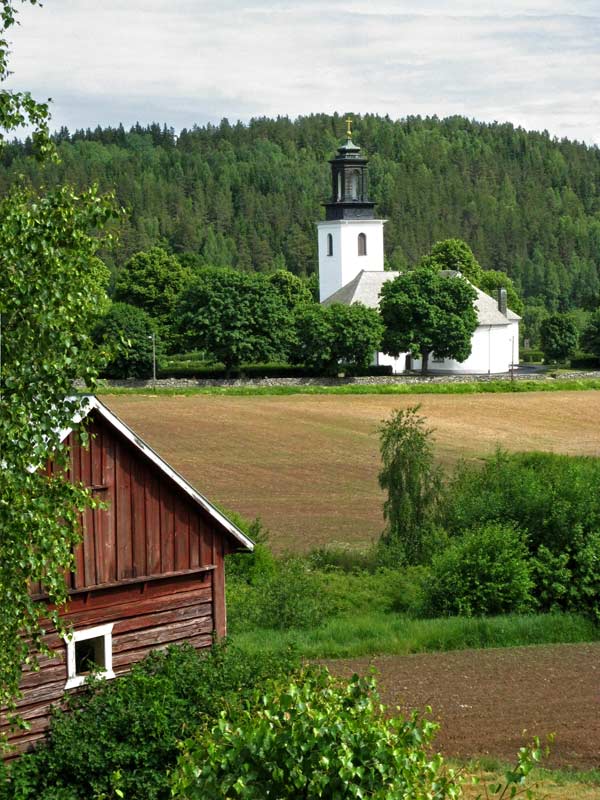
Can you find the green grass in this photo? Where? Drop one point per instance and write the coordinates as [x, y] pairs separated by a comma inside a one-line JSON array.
[[550, 784], [395, 634], [561, 777], [471, 387]]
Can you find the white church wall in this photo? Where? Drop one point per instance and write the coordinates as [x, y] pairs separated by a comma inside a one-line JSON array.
[[491, 354], [344, 264], [398, 364]]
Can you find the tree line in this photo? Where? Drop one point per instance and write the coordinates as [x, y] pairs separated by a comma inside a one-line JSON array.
[[235, 318], [247, 196]]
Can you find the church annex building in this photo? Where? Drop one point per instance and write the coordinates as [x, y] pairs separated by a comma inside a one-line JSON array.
[[351, 270]]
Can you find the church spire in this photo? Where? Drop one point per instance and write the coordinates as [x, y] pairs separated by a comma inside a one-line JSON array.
[[349, 182]]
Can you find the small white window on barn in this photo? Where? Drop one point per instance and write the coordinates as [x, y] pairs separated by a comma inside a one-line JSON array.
[[362, 244], [329, 244], [89, 651]]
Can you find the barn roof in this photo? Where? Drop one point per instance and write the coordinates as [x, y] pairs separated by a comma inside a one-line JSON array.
[[90, 403], [365, 288]]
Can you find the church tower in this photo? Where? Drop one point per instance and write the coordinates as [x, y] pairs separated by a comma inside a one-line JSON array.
[[350, 239]]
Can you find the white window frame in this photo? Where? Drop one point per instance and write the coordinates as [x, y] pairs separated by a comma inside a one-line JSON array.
[[73, 679]]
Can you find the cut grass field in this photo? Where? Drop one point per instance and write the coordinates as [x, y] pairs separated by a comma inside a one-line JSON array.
[[307, 464]]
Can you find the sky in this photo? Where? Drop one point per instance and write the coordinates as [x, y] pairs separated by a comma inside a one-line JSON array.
[[184, 62]]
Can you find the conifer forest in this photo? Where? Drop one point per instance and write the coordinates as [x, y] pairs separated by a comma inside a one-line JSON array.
[[247, 195]]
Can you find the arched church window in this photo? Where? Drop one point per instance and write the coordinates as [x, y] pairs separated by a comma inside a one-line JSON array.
[[329, 244], [362, 244], [354, 186]]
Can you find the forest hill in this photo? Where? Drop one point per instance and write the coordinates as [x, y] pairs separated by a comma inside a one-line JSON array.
[[247, 196]]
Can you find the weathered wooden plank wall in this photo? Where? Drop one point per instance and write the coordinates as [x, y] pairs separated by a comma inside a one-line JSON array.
[[149, 527], [146, 615]]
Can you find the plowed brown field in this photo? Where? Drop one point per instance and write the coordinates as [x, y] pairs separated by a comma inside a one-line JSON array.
[[490, 702], [307, 464]]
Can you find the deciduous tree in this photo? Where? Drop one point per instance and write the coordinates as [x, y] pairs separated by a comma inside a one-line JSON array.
[[357, 332], [454, 254], [236, 317], [129, 339], [51, 288], [425, 312], [591, 336], [327, 337], [411, 480], [152, 281], [293, 290], [491, 280], [559, 337]]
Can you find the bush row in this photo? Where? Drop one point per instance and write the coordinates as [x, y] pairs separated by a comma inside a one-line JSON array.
[[584, 361], [218, 372], [531, 356], [122, 735], [224, 725], [520, 534]]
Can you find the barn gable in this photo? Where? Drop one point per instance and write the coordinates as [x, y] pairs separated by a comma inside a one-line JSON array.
[[149, 571], [155, 523]]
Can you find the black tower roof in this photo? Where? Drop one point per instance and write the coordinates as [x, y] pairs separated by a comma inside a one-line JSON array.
[[349, 183]]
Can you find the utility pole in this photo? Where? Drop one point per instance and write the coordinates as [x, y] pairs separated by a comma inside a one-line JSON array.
[[512, 360], [154, 361], [153, 337]]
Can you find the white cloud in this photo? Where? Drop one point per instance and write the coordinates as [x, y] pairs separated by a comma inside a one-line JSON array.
[[532, 63]]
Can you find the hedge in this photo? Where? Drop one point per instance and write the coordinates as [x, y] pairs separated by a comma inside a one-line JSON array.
[[201, 371]]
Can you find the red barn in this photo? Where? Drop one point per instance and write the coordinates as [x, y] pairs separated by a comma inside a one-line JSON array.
[[149, 571]]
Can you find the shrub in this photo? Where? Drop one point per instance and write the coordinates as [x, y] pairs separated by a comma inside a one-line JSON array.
[[268, 592], [587, 576], [275, 593], [553, 580], [407, 589], [317, 737], [351, 594], [485, 571], [344, 558], [555, 501], [255, 566], [291, 597], [123, 733], [546, 495]]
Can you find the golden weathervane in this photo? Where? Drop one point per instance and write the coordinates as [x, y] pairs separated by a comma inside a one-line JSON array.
[[349, 128]]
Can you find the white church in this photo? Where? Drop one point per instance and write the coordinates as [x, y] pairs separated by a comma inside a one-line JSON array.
[[351, 270]]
